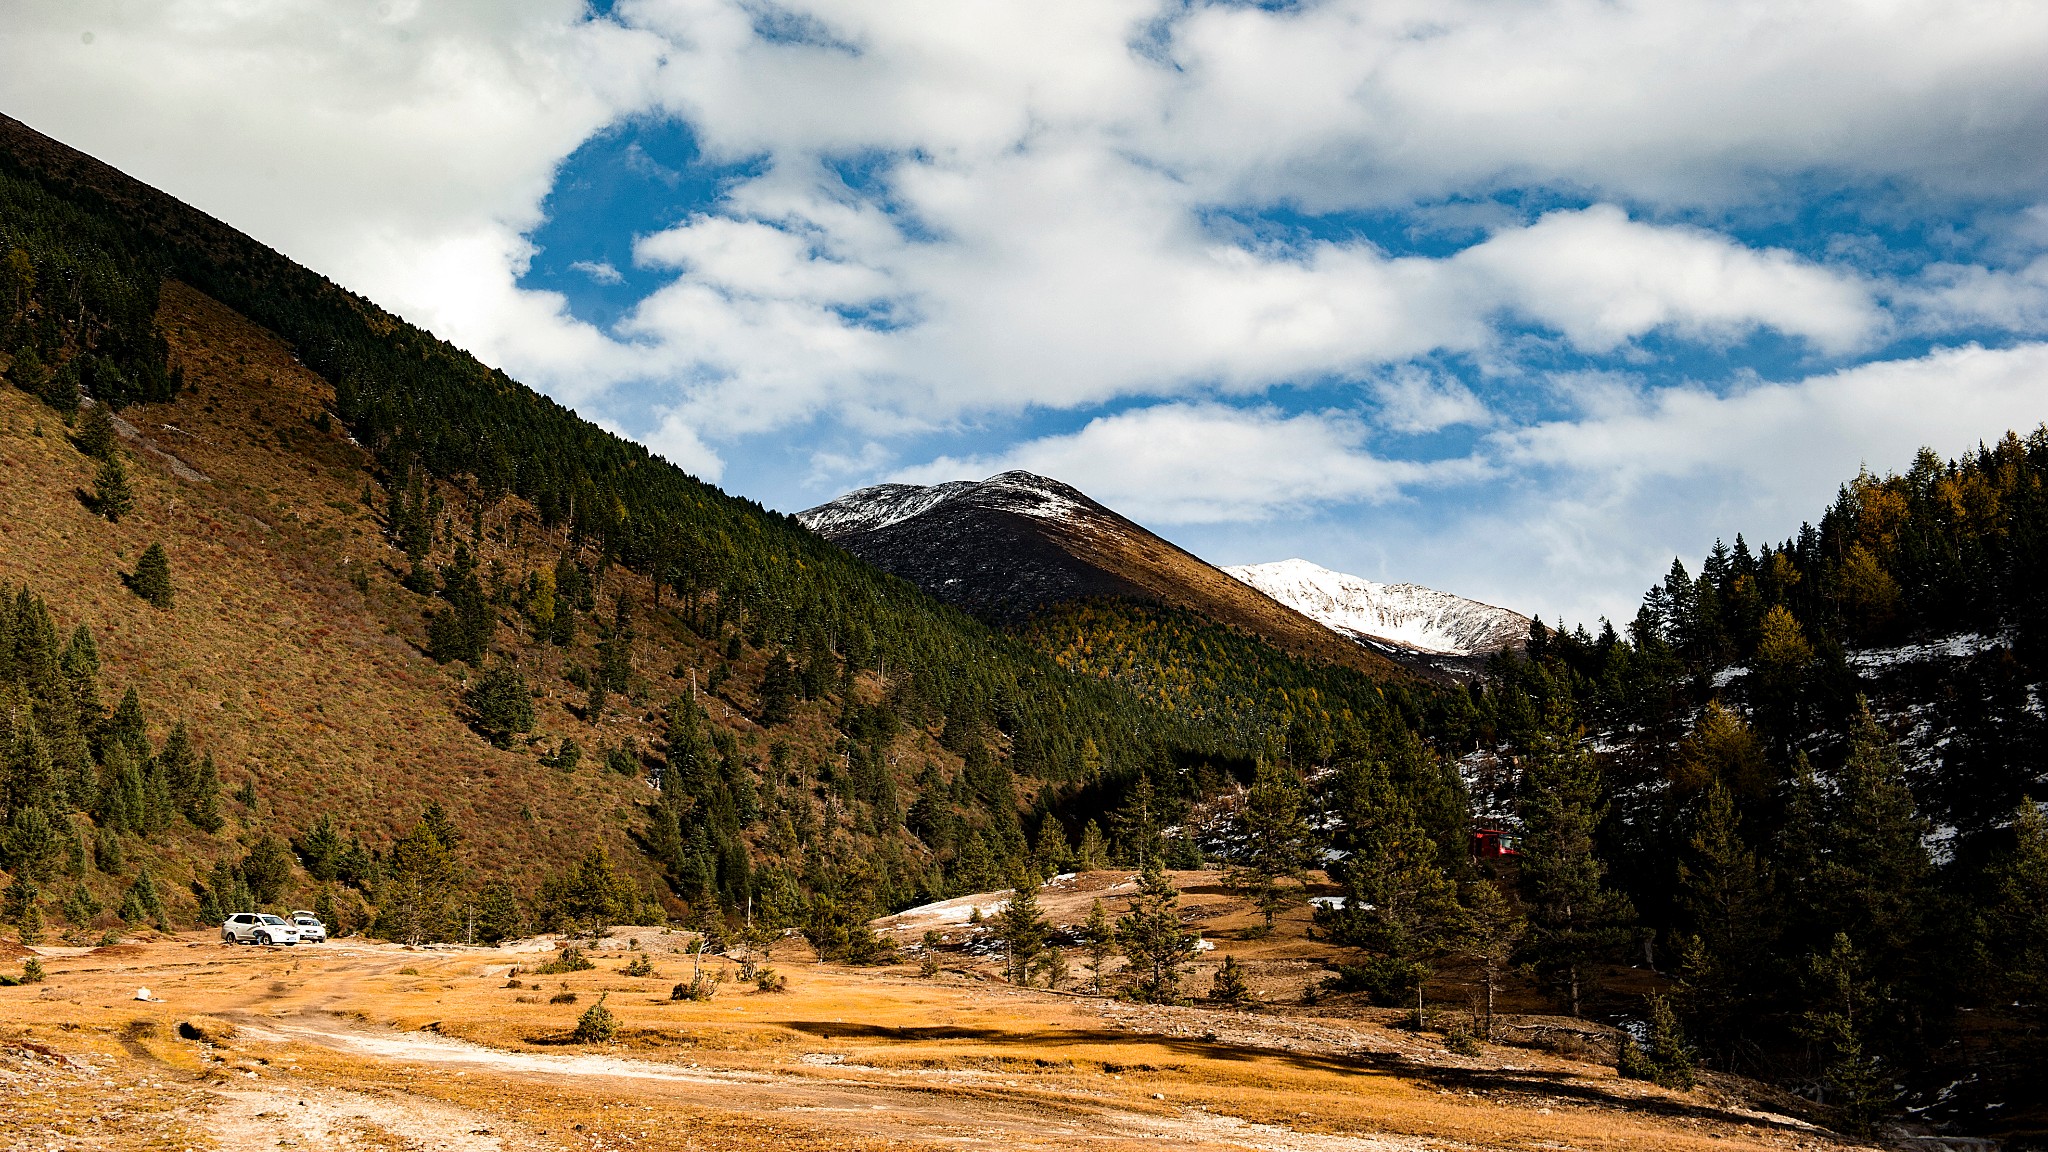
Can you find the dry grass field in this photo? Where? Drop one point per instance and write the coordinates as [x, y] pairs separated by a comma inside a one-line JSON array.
[[292, 676], [359, 1045]]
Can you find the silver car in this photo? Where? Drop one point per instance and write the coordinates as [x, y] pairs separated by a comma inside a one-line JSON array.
[[311, 930], [257, 928]]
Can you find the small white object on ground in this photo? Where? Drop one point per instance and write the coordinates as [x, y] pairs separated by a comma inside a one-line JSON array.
[[142, 994]]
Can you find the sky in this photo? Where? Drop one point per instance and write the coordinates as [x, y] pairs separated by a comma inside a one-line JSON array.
[[1514, 298]]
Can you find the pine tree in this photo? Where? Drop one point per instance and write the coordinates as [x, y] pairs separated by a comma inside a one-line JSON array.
[[1230, 985], [1841, 1001], [95, 435], [1725, 910], [1278, 842], [267, 868], [1138, 825], [152, 578], [320, 849], [1665, 1059], [143, 903], [1022, 928], [422, 880], [1099, 937], [498, 917], [2014, 932], [1575, 918], [1400, 906], [1153, 940], [1493, 930], [1050, 854], [1093, 854], [112, 496], [500, 704]]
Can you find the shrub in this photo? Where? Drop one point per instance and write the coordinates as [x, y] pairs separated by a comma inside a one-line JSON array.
[[598, 1025], [562, 998], [32, 970], [697, 988], [1230, 985], [1665, 1060], [569, 959], [639, 966], [769, 980]]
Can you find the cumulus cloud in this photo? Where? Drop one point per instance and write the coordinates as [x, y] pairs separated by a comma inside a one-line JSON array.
[[1034, 228], [1204, 463]]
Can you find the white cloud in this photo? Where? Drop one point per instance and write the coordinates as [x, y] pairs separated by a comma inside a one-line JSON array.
[[1597, 506], [1204, 463], [1603, 279], [1414, 400], [1035, 232], [598, 270]]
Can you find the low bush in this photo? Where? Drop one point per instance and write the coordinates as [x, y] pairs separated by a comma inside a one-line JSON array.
[[569, 959], [598, 1025]]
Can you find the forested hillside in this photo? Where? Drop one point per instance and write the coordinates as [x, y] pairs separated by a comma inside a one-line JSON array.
[[1817, 797], [485, 645]]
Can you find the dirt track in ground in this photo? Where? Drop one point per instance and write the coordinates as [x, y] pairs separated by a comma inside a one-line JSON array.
[[353, 1046]]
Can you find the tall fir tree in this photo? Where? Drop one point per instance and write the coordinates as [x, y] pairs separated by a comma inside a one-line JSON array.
[[1155, 942], [1576, 920]]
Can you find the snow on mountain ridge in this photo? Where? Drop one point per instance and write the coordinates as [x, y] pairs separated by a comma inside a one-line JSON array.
[[866, 509], [1408, 615]]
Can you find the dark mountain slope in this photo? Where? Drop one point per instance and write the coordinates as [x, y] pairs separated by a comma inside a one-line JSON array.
[[1010, 547]]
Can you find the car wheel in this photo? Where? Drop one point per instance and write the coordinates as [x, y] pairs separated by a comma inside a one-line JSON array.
[[263, 938]]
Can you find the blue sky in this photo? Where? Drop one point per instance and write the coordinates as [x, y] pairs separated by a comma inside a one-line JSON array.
[[1514, 300]]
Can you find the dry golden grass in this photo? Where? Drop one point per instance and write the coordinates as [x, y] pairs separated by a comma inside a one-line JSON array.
[[288, 674], [844, 1059]]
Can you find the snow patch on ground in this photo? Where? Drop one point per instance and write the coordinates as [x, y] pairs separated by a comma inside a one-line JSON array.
[[1960, 646]]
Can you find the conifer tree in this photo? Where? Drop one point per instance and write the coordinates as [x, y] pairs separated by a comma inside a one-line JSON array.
[[498, 917], [1093, 853], [1154, 941], [152, 578], [1726, 910], [1575, 918], [321, 848], [1664, 1059], [2014, 933], [1099, 937], [1050, 853], [95, 435], [1138, 825], [143, 903], [267, 868], [1493, 931], [112, 496], [1400, 907], [1841, 1000], [500, 704], [422, 880], [1277, 839], [1230, 986], [1022, 928]]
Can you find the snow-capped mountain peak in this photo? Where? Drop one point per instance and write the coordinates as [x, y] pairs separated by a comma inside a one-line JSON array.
[[1405, 615], [867, 509]]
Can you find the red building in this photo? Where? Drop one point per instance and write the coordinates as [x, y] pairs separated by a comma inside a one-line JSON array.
[[1489, 842]]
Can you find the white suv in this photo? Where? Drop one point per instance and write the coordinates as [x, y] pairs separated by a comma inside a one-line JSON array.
[[257, 927], [311, 930]]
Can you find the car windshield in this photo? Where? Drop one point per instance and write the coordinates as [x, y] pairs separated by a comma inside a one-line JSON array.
[[302, 918], [272, 920]]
